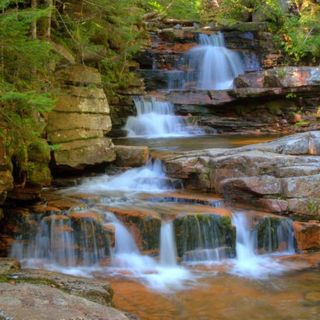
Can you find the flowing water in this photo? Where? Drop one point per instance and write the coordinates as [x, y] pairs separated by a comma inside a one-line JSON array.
[[209, 66], [156, 119], [196, 142], [154, 243], [214, 67]]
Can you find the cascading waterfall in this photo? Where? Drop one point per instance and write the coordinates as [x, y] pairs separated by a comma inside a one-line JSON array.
[[162, 276], [274, 235], [212, 66], [205, 238], [150, 178], [168, 251], [156, 119], [60, 242], [248, 263]]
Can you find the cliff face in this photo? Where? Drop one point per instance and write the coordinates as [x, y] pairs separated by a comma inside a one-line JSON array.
[[80, 119]]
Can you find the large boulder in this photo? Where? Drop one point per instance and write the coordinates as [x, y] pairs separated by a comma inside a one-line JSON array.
[[131, 156], [80, 120], [282, 77], [282, 176], [29, 301], [307, 235]]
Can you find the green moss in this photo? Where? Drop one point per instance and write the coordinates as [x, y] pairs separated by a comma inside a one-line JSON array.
[[39, 151], [38, 174], [204, 231]]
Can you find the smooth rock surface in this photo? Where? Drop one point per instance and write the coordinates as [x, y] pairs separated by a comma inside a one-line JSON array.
[[131, 156], [40, 302], [281, 176]]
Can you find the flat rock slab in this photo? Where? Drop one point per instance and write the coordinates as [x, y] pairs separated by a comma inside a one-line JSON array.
[[25, 301], [91, 289]]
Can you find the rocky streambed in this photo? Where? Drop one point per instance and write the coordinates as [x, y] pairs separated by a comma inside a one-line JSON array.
[[151, 234]]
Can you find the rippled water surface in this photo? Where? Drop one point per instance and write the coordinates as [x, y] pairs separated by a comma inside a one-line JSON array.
[[196, 142], [293, 296]]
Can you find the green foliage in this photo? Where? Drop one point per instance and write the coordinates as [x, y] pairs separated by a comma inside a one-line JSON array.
[[110, 32], [313, 206], [23, 61], [179, 9], [232, 11], [24, 80], [300, 35]]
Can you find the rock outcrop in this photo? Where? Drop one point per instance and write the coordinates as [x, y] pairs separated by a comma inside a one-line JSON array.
[[131, 156], [62, 296], [282, 176], [80, 120]]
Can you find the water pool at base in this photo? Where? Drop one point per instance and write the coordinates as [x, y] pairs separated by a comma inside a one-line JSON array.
[[293, 296], [196, 142]]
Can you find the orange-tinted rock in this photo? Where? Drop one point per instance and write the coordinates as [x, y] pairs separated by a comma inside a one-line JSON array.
[[131, 156], [85, 215], [56, 217], [307, 235], [66, 203], [123, 212], [87, 197], [42, 208]]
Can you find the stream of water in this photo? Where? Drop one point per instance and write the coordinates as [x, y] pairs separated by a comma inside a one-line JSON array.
[[171, 254]]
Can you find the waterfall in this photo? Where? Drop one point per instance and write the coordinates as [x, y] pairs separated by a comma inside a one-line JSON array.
[[155, 119], [150, 178], [168, 251], [274, 235], [165, 276], [204, 238], [61, 242], [248, 263], [211, 65], [245, 240]]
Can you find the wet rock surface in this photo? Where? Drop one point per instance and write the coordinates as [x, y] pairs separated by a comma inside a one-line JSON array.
[[280, 176], [38, 294]]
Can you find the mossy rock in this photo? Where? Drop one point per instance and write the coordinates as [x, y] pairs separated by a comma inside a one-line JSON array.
[[204, 231], [38, 174], [279, 107], [39, 151]]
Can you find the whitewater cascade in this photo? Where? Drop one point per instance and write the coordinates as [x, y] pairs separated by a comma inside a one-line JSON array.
[[248, 262], [156, 119], [168, 251], [61, 241], [211, 65], [150, 178]]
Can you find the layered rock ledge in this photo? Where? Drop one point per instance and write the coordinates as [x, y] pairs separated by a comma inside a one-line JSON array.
[[80, 120], [282, 176], [37, 294]]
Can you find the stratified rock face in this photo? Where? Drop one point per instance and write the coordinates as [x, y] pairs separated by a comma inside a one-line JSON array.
[[80, 119], [281, 77], [282, 176]]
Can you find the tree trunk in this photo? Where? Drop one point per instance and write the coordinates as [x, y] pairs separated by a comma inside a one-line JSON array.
[[48, 30], [34, 23]]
